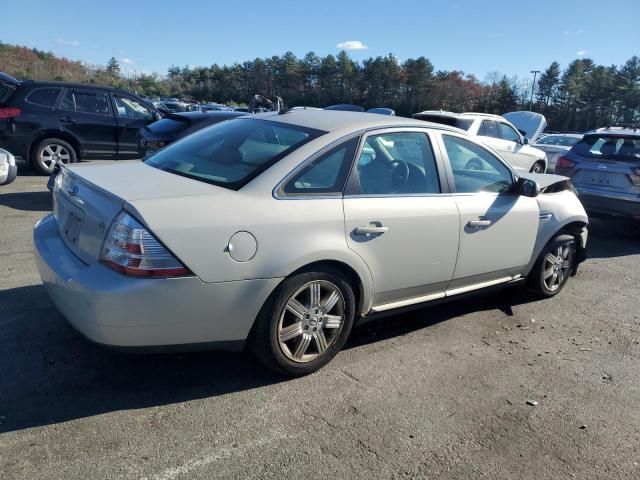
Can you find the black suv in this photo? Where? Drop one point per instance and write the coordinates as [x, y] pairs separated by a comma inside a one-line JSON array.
[[45, 122]]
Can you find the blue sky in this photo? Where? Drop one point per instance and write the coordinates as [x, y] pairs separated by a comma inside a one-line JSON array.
[[474, 36]]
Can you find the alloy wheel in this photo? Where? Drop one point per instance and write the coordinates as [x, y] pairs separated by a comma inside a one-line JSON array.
[[311, 321], [537, 168], [52, 153], [557, 266]]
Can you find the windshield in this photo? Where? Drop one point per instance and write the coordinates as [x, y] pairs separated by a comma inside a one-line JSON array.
[[561, 140], [613, 147], [230, 154]]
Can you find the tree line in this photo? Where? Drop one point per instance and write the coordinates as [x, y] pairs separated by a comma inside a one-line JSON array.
[[582, 96]]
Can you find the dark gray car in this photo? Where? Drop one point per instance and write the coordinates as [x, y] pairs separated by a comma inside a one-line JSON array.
[[605, 169]]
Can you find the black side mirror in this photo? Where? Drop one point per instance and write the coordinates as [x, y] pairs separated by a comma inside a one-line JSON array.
[[527, 187], [525, 141]]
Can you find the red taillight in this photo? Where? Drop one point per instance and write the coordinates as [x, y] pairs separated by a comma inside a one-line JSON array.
[[564, 162], [129, 248], [9, 112]]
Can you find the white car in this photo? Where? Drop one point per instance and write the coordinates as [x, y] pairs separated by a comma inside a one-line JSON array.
[[496, 132], [280, 230], [8, 168]]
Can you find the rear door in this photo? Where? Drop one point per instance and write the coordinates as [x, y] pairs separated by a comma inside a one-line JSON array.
[[513, 144], [131, 115], [86, 114], [498, 229], [399, 219]]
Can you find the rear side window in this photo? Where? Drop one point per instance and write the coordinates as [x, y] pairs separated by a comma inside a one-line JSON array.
[[230, 154], [609, 147], [461, 123], [327, 173], [45, 97], [86, 102], [489, 128]]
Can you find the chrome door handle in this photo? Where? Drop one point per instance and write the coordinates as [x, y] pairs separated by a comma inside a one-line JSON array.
[[479, 223], [370, 230]]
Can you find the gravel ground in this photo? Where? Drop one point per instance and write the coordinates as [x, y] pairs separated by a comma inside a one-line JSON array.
[[438, 393]]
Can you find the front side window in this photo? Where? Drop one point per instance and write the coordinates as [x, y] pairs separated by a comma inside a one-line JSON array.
[[508, 133], [230, 154], [327, 173], [396, 164], [489, 128], [45, 97], [129, 108], [476, 169], [86, 102]]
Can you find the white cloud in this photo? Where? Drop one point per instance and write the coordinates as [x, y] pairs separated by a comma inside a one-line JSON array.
[[580, 53], [352, 45], [127, 61], [566, 33], [66, 43], [579, 32]]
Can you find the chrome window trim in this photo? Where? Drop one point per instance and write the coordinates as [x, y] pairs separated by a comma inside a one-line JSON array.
[[278, 191]]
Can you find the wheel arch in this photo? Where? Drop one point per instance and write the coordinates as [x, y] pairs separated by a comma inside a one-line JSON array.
[[62, 135], [574, 227]]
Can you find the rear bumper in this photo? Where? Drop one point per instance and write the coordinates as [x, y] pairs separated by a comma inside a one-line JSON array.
[[599, 203], [150, 314]]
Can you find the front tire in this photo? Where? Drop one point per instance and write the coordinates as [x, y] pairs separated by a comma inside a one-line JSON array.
[[554, 266], [52, 150], [538, 167], [304, 324]]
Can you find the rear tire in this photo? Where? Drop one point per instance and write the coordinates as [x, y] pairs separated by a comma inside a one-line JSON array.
[[52, 150], [554, 266], [304, 324]]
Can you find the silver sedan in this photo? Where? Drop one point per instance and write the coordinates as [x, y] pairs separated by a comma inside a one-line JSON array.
[[278, 231]]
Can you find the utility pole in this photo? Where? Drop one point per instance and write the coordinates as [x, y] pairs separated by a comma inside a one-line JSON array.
[[533, 87]]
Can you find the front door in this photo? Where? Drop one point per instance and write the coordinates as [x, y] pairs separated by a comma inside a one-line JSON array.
[[131, 116], [398, 221], [86, 114], [498, 229]]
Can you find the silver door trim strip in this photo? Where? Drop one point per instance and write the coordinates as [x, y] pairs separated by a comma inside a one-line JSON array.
[[409, 301], [436, 296]]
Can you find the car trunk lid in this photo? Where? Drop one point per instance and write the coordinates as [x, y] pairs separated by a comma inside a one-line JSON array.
[[87, 197]]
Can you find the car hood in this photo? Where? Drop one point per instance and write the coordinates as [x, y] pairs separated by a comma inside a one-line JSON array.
[[532, 123], [544, 179], [133, 180]]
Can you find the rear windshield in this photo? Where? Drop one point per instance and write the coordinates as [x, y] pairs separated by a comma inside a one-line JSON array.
[[230, 154], [613, 147], [461, 123], [558, 140], [165, 125], [5, 92]]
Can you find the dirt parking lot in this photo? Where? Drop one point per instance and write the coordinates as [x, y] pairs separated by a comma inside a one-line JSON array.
[[438, 393]]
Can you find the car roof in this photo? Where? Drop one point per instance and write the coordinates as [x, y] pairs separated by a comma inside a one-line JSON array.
[[334, 120], [615, 130], [444, 113], [51, 83]]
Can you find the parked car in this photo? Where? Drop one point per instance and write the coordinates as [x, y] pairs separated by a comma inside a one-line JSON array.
[[556, 144], [280, 230], [496, 132], [177, 125], [49, 122], [8, 168], [604, 166]]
